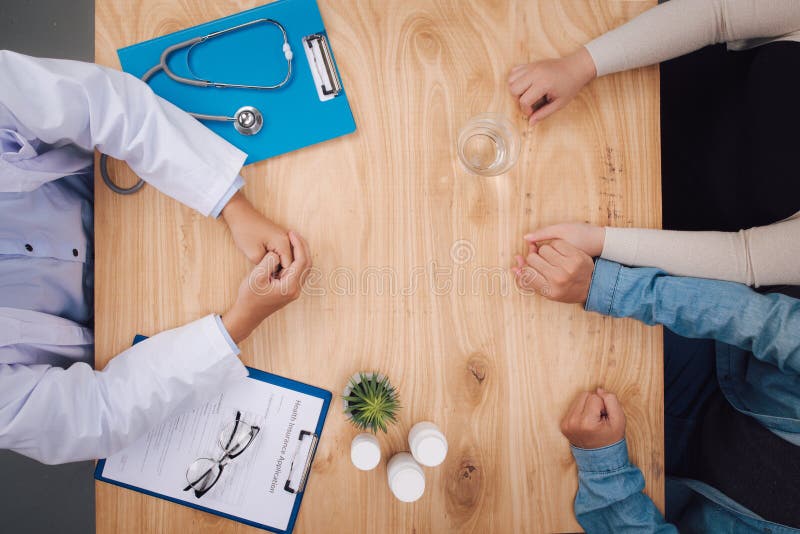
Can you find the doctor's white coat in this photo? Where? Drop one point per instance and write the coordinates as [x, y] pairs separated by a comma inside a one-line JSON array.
[[53, 406]]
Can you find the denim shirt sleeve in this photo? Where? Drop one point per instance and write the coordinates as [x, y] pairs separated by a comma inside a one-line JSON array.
[[766, 325], [610, 497]]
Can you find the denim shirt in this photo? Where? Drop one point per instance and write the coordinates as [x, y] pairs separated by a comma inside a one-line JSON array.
[[758, 362]]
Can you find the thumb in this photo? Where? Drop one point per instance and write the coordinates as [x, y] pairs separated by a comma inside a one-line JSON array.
[[268, 265], [543, 112], [543, 234]]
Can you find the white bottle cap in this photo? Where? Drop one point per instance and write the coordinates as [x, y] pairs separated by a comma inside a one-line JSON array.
[[365, 452], [406, 479], [428, 444]]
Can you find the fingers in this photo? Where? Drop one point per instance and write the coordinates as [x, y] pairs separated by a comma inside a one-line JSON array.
[[593, 409], [516, 73], [542, 265], [552, 255], [577, 405], [520, 265], [530, 279], [301, 253], [543, 234], [613, 407], [284, 249], [545, 111], [531, 96], [565, 248], [292, 278], [521, 83], [262, 274]]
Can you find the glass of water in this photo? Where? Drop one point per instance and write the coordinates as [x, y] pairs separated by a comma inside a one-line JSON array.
[[488, 145]]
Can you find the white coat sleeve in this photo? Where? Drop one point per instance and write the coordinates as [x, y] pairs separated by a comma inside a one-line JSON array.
[[91, 106], [678, 27], [57, 415]]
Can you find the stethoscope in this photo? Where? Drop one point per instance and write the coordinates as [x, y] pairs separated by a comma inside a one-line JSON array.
[[247, 120]]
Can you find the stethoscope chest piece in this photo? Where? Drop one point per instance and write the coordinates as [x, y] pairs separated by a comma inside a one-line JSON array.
[[248, 120]]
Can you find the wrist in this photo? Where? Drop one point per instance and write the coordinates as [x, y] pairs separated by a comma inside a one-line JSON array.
[[237, 324], [237, 204], [582, 65]]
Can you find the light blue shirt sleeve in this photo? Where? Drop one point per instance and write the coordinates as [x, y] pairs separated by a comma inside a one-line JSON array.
[[766, 325], [226, 335], [610, 497], [237, 184]]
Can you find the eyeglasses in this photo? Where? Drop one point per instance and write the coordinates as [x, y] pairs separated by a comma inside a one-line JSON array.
[[234, 439]]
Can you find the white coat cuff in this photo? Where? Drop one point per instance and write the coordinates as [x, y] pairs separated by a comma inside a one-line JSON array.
[[235, 186], [232, 344]]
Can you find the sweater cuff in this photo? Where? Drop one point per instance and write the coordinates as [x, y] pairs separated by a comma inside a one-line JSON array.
[[621, 245], [604, 54], [603, 287], [603, 460]]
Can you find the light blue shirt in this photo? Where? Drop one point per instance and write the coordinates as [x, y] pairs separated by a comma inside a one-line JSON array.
[[46, 237], [758, 363], [46, 245]]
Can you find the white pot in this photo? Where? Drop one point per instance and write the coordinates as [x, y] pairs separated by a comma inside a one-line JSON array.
[[355, 379]]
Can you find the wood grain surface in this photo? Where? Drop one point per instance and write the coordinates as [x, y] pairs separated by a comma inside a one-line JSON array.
[[411, 256]]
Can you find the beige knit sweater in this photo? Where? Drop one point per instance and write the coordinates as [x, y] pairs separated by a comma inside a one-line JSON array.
[[759, 256]]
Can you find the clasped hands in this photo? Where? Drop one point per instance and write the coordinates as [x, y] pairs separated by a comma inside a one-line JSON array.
[[281, 260]]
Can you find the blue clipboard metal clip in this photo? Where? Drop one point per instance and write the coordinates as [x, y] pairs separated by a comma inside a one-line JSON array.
[[305, 451]]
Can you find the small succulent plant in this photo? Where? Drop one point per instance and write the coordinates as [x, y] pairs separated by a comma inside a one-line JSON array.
[[371, 402]]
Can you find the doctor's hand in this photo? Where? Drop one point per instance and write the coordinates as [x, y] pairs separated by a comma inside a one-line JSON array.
[[594, 420], [254, 234], [557, 271], [267, 289], [587, 237], [544, 87]]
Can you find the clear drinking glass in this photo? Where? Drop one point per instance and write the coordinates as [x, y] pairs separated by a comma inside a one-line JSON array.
[[488, 145]]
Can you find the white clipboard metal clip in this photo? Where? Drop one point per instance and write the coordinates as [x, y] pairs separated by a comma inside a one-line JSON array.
[[301, 462]]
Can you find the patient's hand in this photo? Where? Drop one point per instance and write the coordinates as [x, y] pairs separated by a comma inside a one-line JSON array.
[[267, 289], [594, 420], [558, 271], [254, 234], [587, 237], [549, 85]]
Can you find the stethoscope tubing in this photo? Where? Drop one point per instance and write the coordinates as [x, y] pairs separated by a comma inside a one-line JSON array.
[[164, 67]]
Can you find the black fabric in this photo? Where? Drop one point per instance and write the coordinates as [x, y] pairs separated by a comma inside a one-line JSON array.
[[729, 133], [750, 464]]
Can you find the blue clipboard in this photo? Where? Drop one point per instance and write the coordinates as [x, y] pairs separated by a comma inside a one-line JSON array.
[[264, 377], [294, 116]]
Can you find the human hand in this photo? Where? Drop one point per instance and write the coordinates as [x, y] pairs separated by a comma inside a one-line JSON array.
[[587, 237], [254, 234], [267, 289], [595, 420], [544, 87], [558, 271]]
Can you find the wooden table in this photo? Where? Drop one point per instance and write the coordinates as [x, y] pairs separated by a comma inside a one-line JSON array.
[[385, 207]]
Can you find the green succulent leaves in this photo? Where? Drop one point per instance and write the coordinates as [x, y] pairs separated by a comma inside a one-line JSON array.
[[372, 403]]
